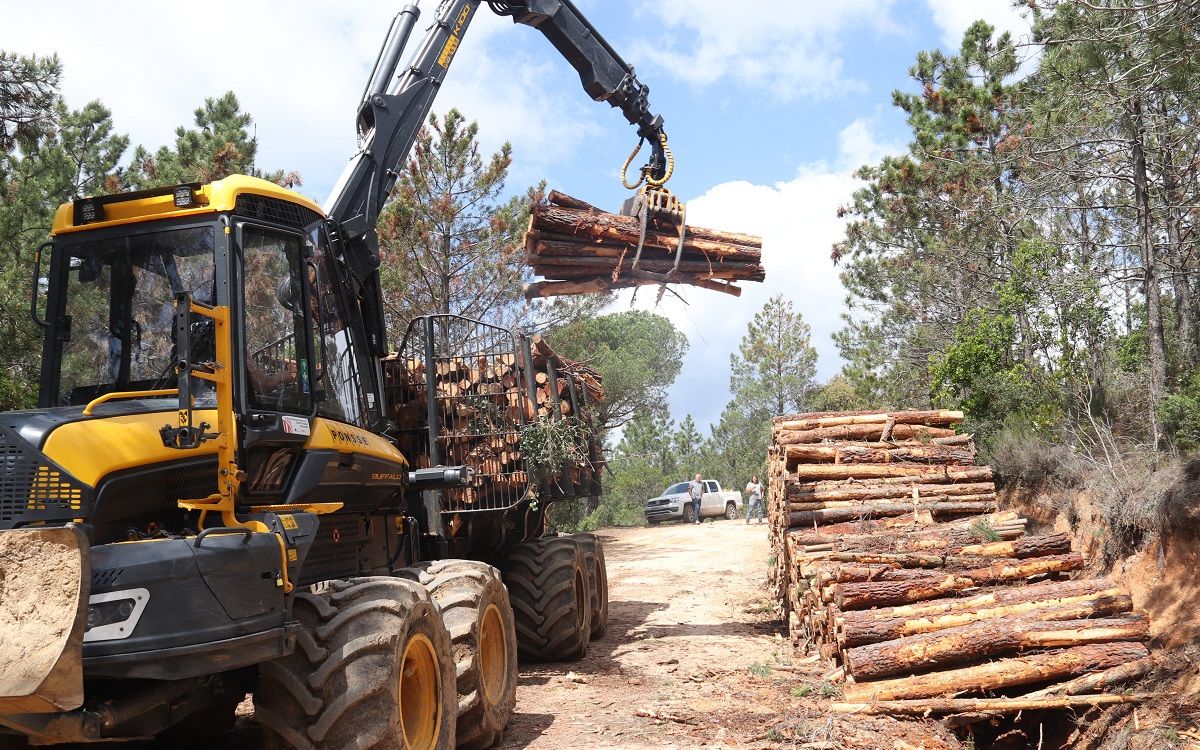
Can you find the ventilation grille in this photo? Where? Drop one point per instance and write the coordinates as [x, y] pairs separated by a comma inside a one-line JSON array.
[[33, 488], [105, 578], [275, 211]]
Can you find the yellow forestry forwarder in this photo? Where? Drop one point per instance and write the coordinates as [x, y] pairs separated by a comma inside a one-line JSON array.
[[209, 500]]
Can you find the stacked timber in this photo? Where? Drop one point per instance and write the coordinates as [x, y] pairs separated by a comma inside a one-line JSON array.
[[481, 404], [579, 249], [897, 566]]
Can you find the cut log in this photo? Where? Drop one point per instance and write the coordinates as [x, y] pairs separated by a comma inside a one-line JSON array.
[[888, 593], [871, 432], [986, 639], [1090, 683], [935, 418], [951, 455], [863, 632], [1046, 591], [599, 225], [539, 289], [917, 472], [888, 491], [982, 705], [840, 515], [1001, 674], [948, 476], [908, 500]]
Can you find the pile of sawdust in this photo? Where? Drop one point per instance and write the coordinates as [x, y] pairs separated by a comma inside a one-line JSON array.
[[40, 585]]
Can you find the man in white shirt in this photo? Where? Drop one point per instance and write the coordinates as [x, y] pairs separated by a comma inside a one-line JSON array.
[[754, 493]]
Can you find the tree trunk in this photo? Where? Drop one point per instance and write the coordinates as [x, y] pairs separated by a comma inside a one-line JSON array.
[[863, 632], [980, 705], [986, 639], [889, 593], [859, 432], [1001, 674], [1150, 270], [929, 418], [839, 515]]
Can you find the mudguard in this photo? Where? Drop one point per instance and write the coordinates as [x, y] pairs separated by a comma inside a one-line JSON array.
[[45, 578]]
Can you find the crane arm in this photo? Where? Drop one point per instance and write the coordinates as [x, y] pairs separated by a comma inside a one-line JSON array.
[[396, 103]]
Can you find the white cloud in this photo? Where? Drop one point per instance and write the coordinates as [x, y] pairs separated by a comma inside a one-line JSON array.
[[298, 69], [954, 16], [798, 222], [789, 48]]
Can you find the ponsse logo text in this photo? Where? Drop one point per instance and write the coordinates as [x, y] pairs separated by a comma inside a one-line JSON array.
[[348, 437]]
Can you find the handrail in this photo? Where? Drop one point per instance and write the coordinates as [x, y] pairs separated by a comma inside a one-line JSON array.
[[113, 396]]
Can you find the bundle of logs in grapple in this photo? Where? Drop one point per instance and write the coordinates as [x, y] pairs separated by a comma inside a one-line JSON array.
[[896, 565], [481, 404], [579, 249]]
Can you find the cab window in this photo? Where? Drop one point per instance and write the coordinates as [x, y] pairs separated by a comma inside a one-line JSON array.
[[275, 318]]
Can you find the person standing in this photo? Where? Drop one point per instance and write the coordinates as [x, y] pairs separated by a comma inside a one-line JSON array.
[[696, 493], [754, 490]]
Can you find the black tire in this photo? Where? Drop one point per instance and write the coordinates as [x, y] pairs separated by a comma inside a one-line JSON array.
[[593, 557], [730, 511], [689, 513], [548, 587], [372, 669], [483, 638]]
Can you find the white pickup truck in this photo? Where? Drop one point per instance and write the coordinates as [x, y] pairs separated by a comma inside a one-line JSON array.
[[674, 504]]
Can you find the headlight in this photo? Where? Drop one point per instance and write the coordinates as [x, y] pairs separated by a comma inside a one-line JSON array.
[[113, 616]]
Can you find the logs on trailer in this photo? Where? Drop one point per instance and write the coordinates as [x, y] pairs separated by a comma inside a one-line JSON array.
[[579, 249], [895, 564], [481, 403]]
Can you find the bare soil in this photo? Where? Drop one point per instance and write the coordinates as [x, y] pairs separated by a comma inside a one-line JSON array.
[[693, 657]]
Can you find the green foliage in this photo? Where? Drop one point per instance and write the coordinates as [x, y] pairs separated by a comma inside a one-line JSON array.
[[838, 394], [982, 531], [220, 145], [48, 155], [1180, 415], [777, 364], [639, 354], [28, 92], [549, 445]]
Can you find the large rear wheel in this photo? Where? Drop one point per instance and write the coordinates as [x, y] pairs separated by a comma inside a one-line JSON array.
[[593, 557], [548, 587], [475, 608], [372, 669]]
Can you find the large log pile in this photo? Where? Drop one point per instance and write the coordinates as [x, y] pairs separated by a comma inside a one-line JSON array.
[[579, 249], [481, 403], [895, 564]]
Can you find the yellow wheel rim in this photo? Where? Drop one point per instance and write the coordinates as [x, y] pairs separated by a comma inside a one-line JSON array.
[[420, 694], [493, 655], [580, 597]]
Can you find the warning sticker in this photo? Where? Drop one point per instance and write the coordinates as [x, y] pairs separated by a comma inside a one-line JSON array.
[[296, 425]]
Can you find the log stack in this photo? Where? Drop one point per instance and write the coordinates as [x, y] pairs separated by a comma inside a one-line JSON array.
[[481, 403], [579, 249], [896, 565]]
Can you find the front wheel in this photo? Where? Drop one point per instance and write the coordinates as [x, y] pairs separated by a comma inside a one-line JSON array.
[[372, 668], [475, 608], [689, 513]]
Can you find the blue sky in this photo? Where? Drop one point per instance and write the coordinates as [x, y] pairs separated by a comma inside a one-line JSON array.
[[770, 105]]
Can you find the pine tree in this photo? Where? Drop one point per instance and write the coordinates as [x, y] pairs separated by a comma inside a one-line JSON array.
[[777, 364], [449, 242], [220, 145]]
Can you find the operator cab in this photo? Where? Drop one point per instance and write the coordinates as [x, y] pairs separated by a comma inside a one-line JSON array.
[[119, 263]]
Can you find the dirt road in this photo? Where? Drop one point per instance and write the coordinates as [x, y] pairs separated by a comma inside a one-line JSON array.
[[690, 628]]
